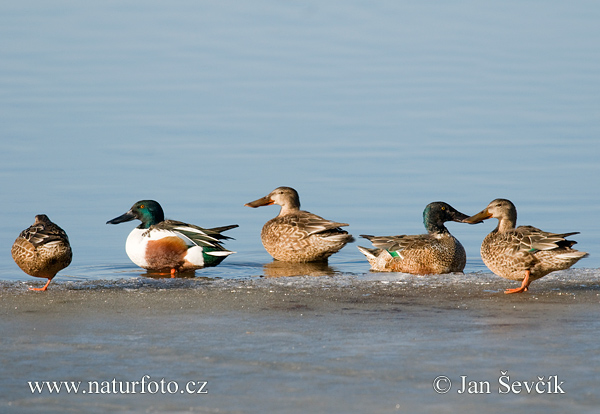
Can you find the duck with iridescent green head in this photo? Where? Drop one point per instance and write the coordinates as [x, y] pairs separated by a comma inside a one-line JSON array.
[[160, 245], [436, 252]]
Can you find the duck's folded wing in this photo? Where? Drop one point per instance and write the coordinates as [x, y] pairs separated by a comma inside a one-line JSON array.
[[218, 230], [398, 243], [195, 234], [313, 224], [529, 238], [40, 234]]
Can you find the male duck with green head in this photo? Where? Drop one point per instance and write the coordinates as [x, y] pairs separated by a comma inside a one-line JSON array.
[[160, 245], [436, 252]]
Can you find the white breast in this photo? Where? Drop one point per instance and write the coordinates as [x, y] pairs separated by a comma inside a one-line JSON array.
[[135, 246], [139, 238]]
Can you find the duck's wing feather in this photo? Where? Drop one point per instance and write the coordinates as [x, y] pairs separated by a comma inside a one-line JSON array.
[[398, 243], [221, 229], [195, 234], [43, 233], [531, 239], [313, 224]]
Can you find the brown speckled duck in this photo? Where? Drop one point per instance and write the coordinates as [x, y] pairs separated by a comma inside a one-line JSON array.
[[42, 250], [436, 252], [524, 253], [296, 235]]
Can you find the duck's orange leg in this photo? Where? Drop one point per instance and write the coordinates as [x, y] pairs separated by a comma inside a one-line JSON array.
[[524, 285], [42, 288], [173, 272]]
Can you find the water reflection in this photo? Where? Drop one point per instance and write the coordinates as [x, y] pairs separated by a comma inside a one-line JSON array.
[[277, 268], [167, 275]]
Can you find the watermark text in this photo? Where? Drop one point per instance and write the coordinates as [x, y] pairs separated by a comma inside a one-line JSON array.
[[146, 385], [550, 384]]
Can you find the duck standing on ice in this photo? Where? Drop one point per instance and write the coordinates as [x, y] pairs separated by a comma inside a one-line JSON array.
[[523, 253], [42, 250]]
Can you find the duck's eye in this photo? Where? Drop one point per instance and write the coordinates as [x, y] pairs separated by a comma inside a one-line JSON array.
[[443, 208], [142, 206]]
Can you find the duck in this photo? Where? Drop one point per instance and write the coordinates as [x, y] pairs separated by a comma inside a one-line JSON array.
[[42, 250], [295, 235], [436, 252], [171, 246], [523, 253]]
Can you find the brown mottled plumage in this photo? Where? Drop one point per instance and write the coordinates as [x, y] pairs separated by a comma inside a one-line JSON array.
[[42, 250], [433, 253], [524, 253], [296, 235]]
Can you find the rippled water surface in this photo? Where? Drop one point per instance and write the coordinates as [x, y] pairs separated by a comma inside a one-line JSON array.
[[369, 110]]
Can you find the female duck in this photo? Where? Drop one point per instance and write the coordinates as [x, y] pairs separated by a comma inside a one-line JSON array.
[[436, 252], [42, 250], [296, 235], [524, 253], [161, 245]]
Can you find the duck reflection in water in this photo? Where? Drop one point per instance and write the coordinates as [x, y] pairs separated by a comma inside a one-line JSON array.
[[277, 268]]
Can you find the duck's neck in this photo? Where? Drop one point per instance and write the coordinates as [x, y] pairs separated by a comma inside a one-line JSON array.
[[288, 209], [145, 225], [506, 224], [151, 221], [436, 228]]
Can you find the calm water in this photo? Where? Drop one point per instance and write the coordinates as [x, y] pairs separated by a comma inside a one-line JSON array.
[[369, 110]]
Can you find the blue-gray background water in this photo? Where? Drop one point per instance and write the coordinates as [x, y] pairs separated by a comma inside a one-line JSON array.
[[370, 110]]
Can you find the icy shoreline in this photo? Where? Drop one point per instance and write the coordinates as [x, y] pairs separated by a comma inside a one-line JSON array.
[[478, 284]]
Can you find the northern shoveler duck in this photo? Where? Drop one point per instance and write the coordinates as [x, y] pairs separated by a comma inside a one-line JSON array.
[[436, 252], [524, 253], [161, 245], [296, 235], [42, 250]]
